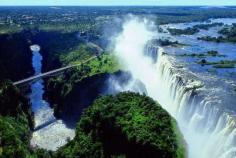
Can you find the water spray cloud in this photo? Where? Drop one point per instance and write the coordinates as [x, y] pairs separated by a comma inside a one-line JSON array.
[[130, 46], [208, 132]]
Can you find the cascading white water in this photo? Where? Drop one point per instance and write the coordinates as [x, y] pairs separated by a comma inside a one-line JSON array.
[[49, 133], [208, 131]]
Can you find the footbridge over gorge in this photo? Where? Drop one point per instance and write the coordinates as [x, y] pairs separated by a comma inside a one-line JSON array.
[[51, 73]]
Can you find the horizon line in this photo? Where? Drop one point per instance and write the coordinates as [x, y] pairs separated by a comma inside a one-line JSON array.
[[118, 5]]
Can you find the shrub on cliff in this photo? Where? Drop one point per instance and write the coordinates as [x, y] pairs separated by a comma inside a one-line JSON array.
[[14, 104], [15, 122], [59, 90], [125, 125], [14, 138]]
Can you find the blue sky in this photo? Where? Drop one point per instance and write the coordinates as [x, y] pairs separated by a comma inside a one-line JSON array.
[[118, 2]]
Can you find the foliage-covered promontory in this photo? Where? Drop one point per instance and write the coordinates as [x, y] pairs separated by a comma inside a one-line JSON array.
[[125, 125]]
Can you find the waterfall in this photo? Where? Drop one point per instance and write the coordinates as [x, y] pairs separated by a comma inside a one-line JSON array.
[[208, 130]]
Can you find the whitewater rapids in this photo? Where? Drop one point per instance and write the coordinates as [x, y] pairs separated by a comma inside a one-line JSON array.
[[49, 133]]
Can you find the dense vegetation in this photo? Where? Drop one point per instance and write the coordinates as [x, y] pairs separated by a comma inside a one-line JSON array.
[[125, 125], [207, 26], [15, 122], [229, 33], [219, 64], [64, 90], [229, 30], [211, 53], [187, 31], [166, 42], [15, 138], [71, 19], [106, 63], [167, 15], [13, 103], [193, 30]]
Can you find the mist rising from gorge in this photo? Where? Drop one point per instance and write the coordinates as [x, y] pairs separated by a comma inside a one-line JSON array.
[[129, 47], [207, 132]]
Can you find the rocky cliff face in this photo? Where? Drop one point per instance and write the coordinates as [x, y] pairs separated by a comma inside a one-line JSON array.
[[15, 56], [69, 106]]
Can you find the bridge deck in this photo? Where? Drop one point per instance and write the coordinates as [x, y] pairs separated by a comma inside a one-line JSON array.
[[51, 72]]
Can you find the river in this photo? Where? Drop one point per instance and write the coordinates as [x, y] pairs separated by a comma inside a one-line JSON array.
[[49, 133]]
